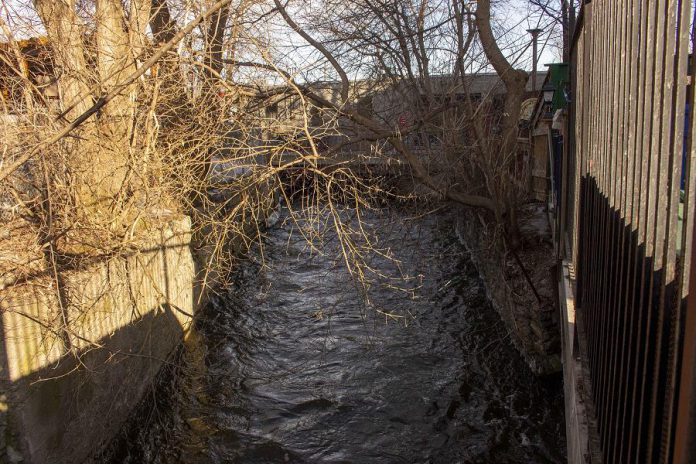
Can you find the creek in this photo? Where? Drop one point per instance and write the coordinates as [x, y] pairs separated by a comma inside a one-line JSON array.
[[304, 365]]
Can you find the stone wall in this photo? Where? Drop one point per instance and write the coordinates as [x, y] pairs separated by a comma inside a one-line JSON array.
[[74, 363], [533, 325]]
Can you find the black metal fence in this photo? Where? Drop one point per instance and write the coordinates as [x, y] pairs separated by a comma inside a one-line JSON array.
[[628, 199]]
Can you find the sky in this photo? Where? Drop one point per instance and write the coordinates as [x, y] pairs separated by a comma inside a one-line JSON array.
[[519, 17], [511, 20], [512, 16]]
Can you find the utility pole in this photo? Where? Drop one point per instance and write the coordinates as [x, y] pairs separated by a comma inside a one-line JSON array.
[[535, 38]]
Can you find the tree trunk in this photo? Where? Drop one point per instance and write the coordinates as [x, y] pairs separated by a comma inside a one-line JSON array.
[[65, 32], [115, 62], [515, 81]]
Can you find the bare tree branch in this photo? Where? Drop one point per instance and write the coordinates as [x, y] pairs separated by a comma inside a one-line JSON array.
[[345, 83]]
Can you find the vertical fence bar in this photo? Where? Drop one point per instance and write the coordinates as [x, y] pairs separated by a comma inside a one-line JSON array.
[[684, 450], [614, 206], [592, 202], [605, 205], [620, 86], [641, 305], [599, 179], [678, 18], [653, 263], [600, 155], [633, 299], [628, 147], [672, 111]]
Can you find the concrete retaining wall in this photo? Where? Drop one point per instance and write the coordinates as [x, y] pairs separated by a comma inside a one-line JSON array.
[[74, 366]]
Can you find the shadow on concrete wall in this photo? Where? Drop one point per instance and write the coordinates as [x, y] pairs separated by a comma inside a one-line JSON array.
[[64, 412]]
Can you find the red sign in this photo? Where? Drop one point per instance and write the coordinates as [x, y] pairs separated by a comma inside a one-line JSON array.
[[403, 120]]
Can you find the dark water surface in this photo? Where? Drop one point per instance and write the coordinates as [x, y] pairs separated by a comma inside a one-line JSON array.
[[299, 368]]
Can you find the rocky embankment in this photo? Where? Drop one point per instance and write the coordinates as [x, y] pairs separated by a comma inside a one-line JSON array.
[[533, 323]]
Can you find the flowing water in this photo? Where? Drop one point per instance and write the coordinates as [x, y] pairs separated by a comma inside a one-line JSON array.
[[300, 367]]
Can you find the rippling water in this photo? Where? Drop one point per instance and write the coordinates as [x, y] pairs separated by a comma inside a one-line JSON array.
[[300, 369]]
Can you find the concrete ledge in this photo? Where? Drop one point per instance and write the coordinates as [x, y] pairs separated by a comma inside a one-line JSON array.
[[580, 430]]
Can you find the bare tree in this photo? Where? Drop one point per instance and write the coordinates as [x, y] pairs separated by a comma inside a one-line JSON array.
[[420, 59]]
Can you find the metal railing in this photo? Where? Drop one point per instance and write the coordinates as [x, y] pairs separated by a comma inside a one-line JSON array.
[[628, 200]]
